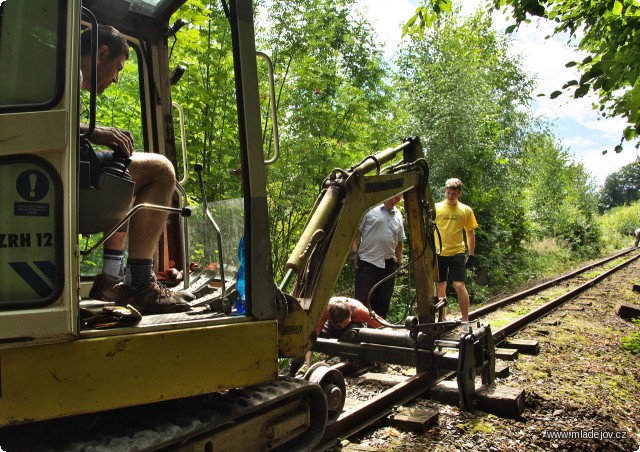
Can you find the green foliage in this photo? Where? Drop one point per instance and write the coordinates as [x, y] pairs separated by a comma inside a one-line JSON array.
[[345, 285], [91, 264], [618, 226], [544, 258], [467, 98], [207, 94], [631, 343], [560, 196], [622, 187], [334, 105], [398, 308], [425, 17], [609, 31]]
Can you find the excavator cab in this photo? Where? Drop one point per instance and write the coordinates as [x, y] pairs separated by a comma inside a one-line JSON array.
[[53, 367]]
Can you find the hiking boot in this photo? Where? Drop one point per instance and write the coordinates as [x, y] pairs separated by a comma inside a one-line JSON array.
[[105, 287], [185, 294], [152, 298]]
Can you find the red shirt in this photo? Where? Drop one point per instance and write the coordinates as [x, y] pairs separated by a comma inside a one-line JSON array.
[[359, 314]]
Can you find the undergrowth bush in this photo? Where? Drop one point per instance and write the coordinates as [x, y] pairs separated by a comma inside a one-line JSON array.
[[618, 226], [631, 343], [548, 256]]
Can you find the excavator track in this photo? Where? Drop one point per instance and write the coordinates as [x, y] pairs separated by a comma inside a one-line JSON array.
[[289, 414]]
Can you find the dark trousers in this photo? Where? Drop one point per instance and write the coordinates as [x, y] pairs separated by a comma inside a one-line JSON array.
[[367, 276]]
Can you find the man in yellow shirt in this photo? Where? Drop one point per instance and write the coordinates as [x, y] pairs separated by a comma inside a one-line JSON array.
[[452, 218]]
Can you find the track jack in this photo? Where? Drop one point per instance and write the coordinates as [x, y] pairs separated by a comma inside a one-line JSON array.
[[421, 346]]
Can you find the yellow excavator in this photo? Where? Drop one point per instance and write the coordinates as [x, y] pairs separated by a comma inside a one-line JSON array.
[[200, 380]]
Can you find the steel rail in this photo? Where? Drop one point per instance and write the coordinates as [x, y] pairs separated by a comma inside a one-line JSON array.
[[356, 419], [352, 421], [501, 334], [484, 310]]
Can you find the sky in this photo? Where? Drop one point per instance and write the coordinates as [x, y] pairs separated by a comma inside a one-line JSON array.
[[574, 122]]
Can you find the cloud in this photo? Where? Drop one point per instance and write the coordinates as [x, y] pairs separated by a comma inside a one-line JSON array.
[[387, 19], [579, 142], [600, 166]]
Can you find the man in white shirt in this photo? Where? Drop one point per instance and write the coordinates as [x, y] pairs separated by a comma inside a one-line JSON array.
[[378, 250]]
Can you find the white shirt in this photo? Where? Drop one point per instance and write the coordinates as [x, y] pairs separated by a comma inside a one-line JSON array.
[[380, 231]]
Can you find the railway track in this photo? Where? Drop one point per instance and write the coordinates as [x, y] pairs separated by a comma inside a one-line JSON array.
[[529, 307], [354, 420]]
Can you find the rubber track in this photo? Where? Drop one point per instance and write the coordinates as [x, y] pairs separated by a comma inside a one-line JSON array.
[[149, 427]]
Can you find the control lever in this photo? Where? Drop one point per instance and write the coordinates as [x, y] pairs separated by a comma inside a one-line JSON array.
[[226, 305], [119, 154], [118, 166]]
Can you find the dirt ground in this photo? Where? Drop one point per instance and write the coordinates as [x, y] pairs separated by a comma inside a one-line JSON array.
[[581, 383]]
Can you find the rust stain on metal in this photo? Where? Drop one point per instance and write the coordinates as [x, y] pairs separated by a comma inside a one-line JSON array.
[[55, 377], [118, 348], [7, 139]]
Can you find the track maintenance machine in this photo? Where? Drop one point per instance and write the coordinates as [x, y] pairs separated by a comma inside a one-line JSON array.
[[200, 380]]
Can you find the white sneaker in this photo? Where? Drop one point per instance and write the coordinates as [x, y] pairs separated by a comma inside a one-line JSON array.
[[465, 328]]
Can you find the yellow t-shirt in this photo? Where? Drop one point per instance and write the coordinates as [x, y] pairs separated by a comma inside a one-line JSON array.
[[451, 221]]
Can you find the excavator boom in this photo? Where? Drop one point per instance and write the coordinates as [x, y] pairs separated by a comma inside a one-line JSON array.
[[346, 196]]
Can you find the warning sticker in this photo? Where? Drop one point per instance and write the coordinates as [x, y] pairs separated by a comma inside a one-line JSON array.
[[27, 232]]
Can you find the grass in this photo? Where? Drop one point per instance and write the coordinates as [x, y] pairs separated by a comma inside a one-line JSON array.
[[476, 426], [617, 226], [631, 343], [593, 274]]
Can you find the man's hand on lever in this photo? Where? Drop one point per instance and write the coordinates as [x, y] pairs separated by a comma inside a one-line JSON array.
[[113, 138]]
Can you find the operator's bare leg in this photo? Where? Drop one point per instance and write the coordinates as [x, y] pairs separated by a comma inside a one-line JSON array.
[[442, 293], [117, 241], [463, 299], [155, 181]]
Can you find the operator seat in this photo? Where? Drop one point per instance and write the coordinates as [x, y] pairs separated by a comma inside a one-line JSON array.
[[105, 200]]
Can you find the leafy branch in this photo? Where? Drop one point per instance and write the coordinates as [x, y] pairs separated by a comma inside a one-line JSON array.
[[609, 31]]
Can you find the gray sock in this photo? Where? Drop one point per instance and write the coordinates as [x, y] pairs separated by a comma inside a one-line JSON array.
[[139, 272]]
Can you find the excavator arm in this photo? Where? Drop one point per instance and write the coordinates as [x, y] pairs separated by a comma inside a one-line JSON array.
[[322, 250]]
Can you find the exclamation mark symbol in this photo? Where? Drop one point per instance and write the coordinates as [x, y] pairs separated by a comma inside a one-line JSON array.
[[33, 178]]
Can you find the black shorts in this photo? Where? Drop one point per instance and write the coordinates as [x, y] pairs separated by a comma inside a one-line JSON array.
[[104, 157], [452, 268], [97, 159]]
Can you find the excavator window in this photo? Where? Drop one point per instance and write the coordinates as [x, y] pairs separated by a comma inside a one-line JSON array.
[[32, 47], [32, 43]]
